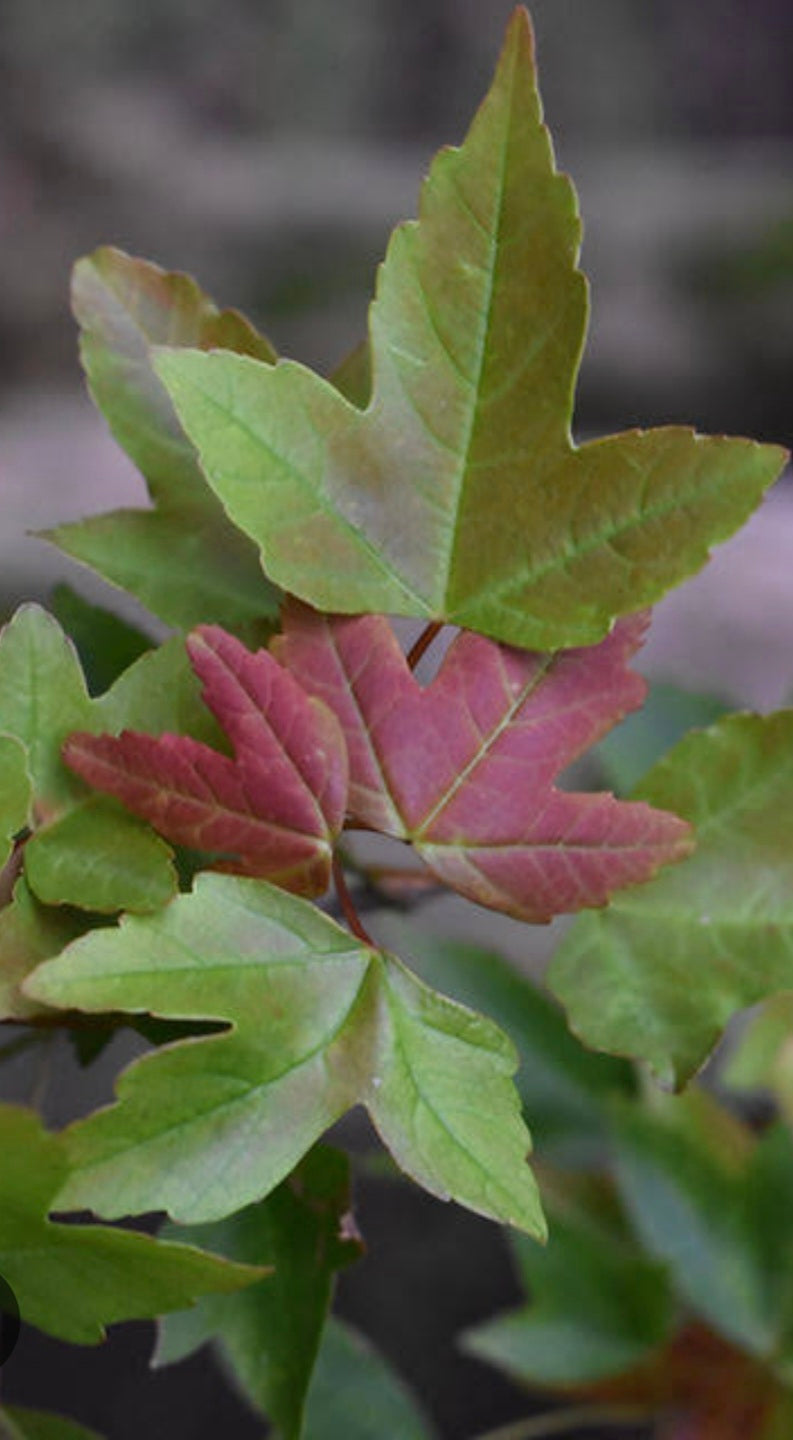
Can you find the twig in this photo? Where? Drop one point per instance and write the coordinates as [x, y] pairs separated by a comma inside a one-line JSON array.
[[422, 645], [348, 908]]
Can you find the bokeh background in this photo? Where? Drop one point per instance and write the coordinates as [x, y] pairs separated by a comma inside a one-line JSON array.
[[269, 146]]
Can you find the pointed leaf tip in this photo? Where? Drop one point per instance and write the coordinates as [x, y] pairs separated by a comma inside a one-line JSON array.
[[274, 809]]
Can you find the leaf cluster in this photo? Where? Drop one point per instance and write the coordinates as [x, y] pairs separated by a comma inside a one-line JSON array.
[[174, 815]]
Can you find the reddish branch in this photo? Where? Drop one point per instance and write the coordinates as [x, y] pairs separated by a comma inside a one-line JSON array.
[[422, 644], [348, 908]]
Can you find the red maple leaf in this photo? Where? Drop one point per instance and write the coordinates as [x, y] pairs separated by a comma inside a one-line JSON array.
[[464, 768], [273, 810]]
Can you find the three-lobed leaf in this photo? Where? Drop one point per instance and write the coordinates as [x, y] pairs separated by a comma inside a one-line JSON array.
[[182, 559], [73, 1280], [660, 972], [464, 767], [273, 810], [318, 1022], [457, 493], [270, 1333]]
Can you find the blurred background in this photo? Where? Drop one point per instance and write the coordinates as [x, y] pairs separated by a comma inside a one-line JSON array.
[[269, 147]]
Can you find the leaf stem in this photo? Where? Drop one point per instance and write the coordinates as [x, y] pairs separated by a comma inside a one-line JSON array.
[[422, 644], [560, 1422], [348, 908]]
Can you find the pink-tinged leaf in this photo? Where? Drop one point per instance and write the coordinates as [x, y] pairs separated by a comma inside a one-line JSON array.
[[464, 768], [274, 809]]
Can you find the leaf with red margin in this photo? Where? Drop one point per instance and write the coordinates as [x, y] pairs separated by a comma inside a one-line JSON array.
[[274, 809], [465, 767]]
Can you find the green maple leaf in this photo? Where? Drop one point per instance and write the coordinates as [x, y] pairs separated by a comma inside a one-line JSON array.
[[182, 559], [85, 851], [270, 1332], [457, 493], [658, 974], [318, 1022], [73, 1280]]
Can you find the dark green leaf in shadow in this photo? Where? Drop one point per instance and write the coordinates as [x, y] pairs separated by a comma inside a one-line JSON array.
[[270, 1333], [355, 1395], [597, 1304]]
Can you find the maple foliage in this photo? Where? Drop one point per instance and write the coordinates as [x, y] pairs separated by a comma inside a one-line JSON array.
[[433, 475], [317, 1022], [182, 558], [101, 1275], [463, 768], [457, 492], [274, 809]]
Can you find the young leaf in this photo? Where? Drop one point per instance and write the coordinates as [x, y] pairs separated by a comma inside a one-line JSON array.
[[464, 768], [318, 1022], [355, 1395], [457, 494], [73, 1280], [598, 1304], [270, 1333], [97, 855], [183, 559], [275, 809], [658, 975], [17, 1423]]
